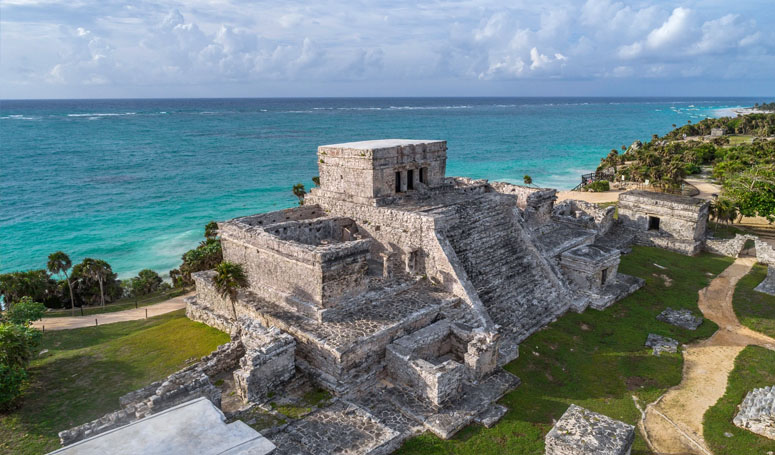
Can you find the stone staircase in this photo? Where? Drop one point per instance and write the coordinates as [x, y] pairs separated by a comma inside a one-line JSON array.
[[513, 281]]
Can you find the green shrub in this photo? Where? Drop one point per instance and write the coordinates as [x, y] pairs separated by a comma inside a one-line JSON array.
[[598, 186], [12, 379], [25, 311], [692, 168]]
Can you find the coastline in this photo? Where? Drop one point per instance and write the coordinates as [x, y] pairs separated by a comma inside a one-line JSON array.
[[738, 111]]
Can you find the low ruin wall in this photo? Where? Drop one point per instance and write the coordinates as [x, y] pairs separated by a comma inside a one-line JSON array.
[[187, 384]]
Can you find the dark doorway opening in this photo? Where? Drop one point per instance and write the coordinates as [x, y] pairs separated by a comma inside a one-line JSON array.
[[398, 182], [424, 175], [410, 179], [604, 277], [653, 223]]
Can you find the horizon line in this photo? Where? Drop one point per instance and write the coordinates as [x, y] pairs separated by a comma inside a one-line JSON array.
[[389, 97]]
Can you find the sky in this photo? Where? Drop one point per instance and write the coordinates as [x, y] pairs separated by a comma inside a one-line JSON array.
[[242, 48]]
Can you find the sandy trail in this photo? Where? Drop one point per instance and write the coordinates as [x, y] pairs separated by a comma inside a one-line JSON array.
[[673, 423], [75, 322]]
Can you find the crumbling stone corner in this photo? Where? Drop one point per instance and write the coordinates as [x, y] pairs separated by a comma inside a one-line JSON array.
[[268, 362]]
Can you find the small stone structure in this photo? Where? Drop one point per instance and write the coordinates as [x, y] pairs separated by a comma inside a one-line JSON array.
[[170, 432], [717, 132], [592, 268], [681, 318], [669, 221], [660, 344], [268, 361], [767, 286], [435, 361], [583, 432], [757, 412]]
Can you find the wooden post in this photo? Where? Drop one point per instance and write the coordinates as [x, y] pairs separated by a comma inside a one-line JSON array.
[[95, 322], [146, 313]]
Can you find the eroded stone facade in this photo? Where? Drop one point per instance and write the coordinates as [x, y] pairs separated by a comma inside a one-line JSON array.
[[669, 221]]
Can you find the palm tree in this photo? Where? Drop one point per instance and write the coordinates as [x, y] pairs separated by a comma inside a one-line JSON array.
[[299, 192], [59, 262], [527, 179], [229, 278], [97, 270]]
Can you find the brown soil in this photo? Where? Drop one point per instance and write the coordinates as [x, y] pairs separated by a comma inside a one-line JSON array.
[[673, 423]]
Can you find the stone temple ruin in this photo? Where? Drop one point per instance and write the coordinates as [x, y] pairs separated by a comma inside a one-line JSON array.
[[403, 291]]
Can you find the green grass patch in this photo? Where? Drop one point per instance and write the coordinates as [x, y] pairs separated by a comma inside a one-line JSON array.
[[723, 231], [755, 310], [86, 371], [119, 305], [741, 139], [754, 367], [595, 359]]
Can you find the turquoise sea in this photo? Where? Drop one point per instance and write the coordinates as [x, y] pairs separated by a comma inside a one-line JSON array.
[[134, 181]]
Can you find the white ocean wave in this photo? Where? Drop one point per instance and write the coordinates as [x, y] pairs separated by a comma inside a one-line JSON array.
[[18, 117], [101, 114]]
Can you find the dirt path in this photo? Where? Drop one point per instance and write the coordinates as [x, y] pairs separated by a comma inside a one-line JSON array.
[[673, 423], [705, 187], [75, 322], [588, 196]]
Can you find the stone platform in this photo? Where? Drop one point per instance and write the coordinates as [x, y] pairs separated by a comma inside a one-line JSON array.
[[177, 431], [767, 286]]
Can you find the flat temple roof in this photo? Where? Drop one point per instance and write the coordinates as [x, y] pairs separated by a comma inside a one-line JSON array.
[[380, 144]]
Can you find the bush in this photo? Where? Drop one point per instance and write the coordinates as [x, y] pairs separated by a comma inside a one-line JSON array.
[[598, 186], [12, 379], [146, 282], [25, 311], [692, 168]]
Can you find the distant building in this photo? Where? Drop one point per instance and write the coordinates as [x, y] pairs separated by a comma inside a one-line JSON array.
[[717, 132]]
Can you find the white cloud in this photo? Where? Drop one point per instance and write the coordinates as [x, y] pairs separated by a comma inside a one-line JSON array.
[[200, 43]]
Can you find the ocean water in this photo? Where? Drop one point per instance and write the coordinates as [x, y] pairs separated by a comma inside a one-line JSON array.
[[134, 181]]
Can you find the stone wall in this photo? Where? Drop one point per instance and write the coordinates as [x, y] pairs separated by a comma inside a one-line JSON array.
[[536, 203], [764, 252], [727, 247], [268, 361], [306, 277], [585, 215], [187, 384]]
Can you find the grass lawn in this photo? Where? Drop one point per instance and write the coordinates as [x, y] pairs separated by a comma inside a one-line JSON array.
[[754, 367], [737, 140], [119, 305], [86, 371], [596, 360], [723, 231], [755, 310]]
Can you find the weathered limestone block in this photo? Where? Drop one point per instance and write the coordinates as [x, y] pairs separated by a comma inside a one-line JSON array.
[[585, 215], [767, 285], [583, 432], [728, 247], [757, 412], [268, 361], [681, 318], [765, 253], [660, 344]]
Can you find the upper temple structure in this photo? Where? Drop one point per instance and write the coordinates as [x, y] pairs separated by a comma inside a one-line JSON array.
[[403, 293]]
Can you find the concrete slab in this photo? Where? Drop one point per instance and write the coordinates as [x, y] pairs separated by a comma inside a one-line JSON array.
[[196, 426]]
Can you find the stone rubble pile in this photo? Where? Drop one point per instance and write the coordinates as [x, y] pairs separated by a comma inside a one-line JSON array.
[[660, 344], [681, 318], [757, 412]]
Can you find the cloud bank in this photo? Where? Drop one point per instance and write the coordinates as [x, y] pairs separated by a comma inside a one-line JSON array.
[[462, 47]]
